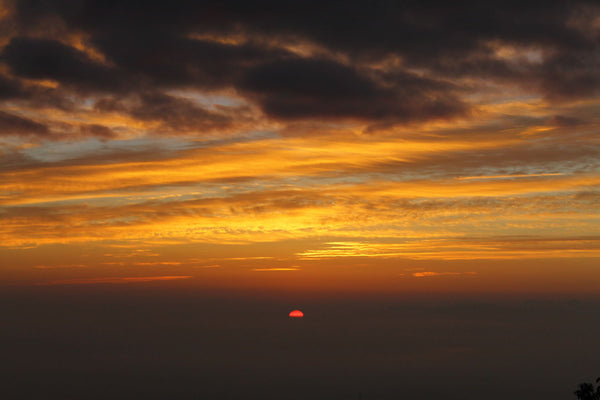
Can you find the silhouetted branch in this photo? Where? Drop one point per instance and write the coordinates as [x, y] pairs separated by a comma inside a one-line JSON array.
[[587, 391]]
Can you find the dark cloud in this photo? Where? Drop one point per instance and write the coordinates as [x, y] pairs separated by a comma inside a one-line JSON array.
[[11, 124], [36, 96], [302, 88], [153, 45], [53, 60], [175, 113], [97, 130], [9, 88], [416, 28], [174, 61], [571, 76], [565, 121]]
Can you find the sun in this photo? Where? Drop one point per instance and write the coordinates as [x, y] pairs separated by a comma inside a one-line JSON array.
[[296, 314]]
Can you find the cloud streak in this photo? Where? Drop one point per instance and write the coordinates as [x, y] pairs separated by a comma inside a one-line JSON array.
[[428, 274], [137, 279]]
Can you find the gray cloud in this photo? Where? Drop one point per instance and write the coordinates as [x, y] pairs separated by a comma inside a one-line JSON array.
[[11, 124], [151, 46]]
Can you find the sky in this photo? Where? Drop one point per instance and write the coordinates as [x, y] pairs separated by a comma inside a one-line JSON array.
[[431, 164]]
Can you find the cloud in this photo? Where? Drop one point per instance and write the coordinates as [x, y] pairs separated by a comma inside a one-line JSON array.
[[565, 121], [49, 59], [297, 88], [427, 274], [9, 88], [380, 67], [137, 279], [11, 124], [176, 114], [169, 60], [513, 176], [44, 266], [358, 124], [96, 130]]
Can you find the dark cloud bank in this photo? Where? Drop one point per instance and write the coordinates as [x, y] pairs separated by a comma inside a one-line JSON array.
[[376, 62]]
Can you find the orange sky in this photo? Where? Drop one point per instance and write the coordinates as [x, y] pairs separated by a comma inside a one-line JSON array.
[[218, 185]]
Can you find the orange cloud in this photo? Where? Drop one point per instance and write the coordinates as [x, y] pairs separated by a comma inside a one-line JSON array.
[[276, 269], [60, 266], [431, 273], [462, 178], [137, 279]]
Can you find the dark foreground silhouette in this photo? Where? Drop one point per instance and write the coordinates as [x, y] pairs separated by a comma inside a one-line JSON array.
[[587, 391]]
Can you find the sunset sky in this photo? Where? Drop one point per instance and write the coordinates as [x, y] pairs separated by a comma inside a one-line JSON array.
[[307, 149]]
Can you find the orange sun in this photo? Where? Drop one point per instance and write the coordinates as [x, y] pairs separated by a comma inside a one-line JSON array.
[[296, 314]]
